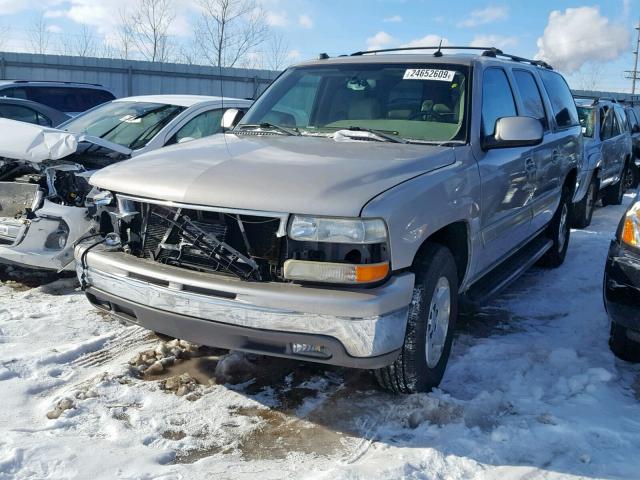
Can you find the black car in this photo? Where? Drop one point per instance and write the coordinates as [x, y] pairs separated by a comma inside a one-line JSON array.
[[622, 286], [31, 112]]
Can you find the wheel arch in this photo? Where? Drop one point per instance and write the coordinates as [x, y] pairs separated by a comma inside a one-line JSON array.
[[456, 237]]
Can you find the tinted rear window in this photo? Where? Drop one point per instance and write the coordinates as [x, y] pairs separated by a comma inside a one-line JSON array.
[[65, 99], [562, 103]]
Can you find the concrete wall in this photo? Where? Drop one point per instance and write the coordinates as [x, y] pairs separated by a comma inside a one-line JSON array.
[[130, 77]]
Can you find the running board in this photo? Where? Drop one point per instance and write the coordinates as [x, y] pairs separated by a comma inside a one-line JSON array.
[[488, 286]]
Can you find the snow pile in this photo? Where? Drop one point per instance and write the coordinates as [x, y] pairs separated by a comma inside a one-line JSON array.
[[532, 391]]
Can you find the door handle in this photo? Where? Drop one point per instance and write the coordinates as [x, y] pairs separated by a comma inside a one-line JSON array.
[[530, 165]]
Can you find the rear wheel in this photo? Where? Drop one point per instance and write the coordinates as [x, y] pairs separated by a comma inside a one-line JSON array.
[[583, 210], [558, 231], [430, 324], [629, 178], [622, 346], [613, 194]]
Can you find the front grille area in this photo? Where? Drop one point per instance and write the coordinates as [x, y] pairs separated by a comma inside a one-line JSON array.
[[244, 246]]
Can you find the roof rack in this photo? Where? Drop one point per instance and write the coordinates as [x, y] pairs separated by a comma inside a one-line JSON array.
[[486, 52], [596, 99], [58, 81]]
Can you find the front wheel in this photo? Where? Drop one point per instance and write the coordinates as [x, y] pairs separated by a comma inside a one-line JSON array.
[[622, 346], [558, 231], [431, 321]]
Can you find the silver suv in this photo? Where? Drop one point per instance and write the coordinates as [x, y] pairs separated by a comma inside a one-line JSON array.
[[608, 169], [348, 214]]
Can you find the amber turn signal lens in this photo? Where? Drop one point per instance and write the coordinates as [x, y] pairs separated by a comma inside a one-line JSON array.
[[371, 273], [630, 231], [347, 273]]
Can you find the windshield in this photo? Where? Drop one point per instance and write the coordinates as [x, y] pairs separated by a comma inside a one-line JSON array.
[[130, 124], [419, 102], [587, 120]]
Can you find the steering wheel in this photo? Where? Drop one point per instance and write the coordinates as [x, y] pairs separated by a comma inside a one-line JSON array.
[[425, 116]]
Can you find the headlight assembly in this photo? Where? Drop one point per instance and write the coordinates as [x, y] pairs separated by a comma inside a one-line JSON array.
[[631, 227], [337, 230]]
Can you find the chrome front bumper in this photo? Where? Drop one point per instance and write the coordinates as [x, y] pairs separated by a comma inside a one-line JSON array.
[[365, 322]]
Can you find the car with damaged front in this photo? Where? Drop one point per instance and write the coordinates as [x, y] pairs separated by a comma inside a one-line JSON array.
[[348, 214], [44, 171]]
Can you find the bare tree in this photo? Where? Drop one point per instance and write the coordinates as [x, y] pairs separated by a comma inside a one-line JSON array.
[[229, 29], [277, 52], [39, 36], [124, 37], [148, 28], [86, 43]]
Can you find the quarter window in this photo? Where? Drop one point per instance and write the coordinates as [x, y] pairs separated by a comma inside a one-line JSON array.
[[497, 99], [530, 96], [562, 103]]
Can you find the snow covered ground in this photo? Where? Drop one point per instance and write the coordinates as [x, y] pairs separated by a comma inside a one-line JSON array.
[[532, 391]]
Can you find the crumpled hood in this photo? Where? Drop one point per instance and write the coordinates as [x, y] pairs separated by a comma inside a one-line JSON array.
[[36, 144], [288, 174]]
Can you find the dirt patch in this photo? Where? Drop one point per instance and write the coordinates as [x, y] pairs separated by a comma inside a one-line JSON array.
[[280, 434], [486, 322], [173, 435]]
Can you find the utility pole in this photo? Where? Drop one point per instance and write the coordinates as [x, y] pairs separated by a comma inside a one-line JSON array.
[[634, 74]]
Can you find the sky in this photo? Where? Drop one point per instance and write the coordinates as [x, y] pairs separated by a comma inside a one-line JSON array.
[[590, 42]]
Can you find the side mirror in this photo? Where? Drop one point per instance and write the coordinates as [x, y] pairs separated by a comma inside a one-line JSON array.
[[230, 118], [513, 132], [636, 129]]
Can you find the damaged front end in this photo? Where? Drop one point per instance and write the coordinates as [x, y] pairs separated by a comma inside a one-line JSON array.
[[42, 195]]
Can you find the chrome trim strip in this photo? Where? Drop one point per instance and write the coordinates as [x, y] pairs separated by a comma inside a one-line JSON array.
[[284, 217]]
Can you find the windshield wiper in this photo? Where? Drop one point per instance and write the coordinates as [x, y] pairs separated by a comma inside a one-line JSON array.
[[387, 137], [267, 125]]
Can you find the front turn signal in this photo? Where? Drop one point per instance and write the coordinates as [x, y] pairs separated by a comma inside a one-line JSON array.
[[631, 227], [327, 272]]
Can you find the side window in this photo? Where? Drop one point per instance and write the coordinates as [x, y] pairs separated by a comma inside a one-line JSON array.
[[606, 123], [15, 92], [200, 126], [621, 120], [291, 110], [633, 120], [530, 95], [616, 128], [91, 97], [497, 99], [20, 113], [562, 103], [63, 99]]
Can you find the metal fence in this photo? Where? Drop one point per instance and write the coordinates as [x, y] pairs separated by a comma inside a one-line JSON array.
[[131, 77]]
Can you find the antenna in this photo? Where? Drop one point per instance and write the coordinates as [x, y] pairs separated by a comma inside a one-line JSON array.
[[438, 53]]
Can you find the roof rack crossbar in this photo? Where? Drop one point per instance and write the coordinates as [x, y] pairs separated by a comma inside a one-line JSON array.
[[486, 52], [66, 82]]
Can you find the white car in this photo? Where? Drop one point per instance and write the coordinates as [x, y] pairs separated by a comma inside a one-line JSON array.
[[44, 171]]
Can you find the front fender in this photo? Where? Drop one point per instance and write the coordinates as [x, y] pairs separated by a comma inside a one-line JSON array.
[[416, 209]]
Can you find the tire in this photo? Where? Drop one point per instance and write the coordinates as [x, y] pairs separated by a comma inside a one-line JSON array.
[[583, 210], [559, 232], [613, 194], [628, 178], [418, 367], [622, 346]]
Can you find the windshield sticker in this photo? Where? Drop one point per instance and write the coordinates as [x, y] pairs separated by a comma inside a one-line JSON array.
[[428, 74]]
